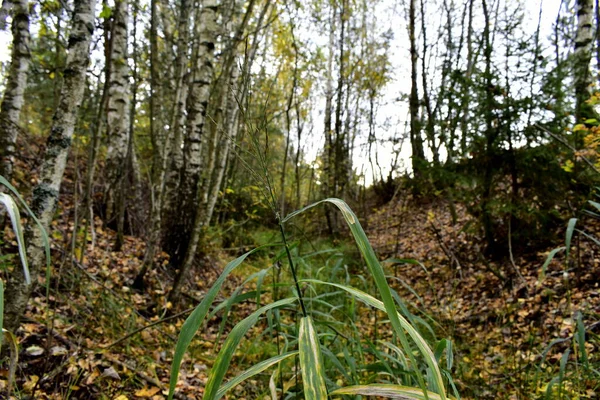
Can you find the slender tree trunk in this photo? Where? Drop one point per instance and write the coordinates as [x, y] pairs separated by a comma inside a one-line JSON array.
[[431, 120], [466, 97], [227, 137], [118, 117], [328, 156], [12, 103], [173, 139], [45, 194], [491, 133], [418, 154], [197, 104], [583, 54]]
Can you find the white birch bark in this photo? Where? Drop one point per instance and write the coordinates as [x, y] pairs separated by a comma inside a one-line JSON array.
[[118, 108], [197, 104], [583, 55], [13, 99], [45, 194]]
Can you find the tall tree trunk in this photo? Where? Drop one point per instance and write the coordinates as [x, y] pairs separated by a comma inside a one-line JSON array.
[[45, 194], [491, 133], [328, 153], [12, 103], [583, 55], [431, 119], [118, 117], [466, 89], [416, 140], [197, 103], [173, 140]]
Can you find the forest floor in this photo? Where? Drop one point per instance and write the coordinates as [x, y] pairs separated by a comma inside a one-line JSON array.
[[94, 337]]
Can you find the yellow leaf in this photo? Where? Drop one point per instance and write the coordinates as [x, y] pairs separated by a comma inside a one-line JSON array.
[[147, 392], [121, 397]]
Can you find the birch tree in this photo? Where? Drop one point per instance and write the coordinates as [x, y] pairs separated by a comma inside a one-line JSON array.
[[12, 103], [45, 194], [183, 211], [118, 111], [583, 55]]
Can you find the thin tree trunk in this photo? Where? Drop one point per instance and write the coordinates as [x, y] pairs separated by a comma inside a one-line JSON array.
[[418, 154], [161, 158], [45, 194], [583, 54], [197, 104], [118, 118], [12, 103], [328, 151]]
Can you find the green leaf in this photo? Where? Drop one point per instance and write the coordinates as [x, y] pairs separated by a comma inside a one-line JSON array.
[[217, 372], [106, 12], [254, 370], [569, 235], [194, 320], [385, 390], [43, 232], [384, 291], [15, 219], [313, 373], [548, 260], [595, 204]]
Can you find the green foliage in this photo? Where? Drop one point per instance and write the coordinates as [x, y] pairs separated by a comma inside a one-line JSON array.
[[356, 356]]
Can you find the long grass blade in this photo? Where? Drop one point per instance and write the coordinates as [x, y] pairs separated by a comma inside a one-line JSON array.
[[388, 303], [195, 319], [569, 235], [311, 364], [254, 370], [217, 372], [386, 390], [15, 220], [44, 234], [550, 257]]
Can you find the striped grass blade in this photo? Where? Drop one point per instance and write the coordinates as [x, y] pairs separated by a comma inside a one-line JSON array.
[[313, 374], [387, 391]]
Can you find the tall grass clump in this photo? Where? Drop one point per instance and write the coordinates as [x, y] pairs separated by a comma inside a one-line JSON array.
[[322, 342]]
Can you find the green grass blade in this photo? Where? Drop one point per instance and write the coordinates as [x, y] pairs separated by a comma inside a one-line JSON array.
[[384, 291], [13, 346], [217, 372], [15, 220], [569, 235], [311, 363], [550, 257], [45, 237], [386, 390], [412, 332], [580, 336], [254, 370], [195, 319], [595, 204]]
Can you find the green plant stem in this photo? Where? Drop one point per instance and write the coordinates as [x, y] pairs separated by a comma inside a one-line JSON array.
[[293, 269]]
